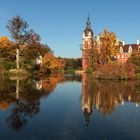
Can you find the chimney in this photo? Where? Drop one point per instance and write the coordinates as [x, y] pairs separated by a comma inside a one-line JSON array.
[[138, 42]]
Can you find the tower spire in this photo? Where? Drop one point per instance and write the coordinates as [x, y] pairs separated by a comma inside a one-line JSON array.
[[88, 17], [88, 23]]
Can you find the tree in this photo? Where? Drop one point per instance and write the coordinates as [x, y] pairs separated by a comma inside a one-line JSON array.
[[49, 63], [26, 40], [45, 49], [135, 58], [17, 27], [5, 42], [7, 53], [31, 45], [6, 47], [60, 63], [108, 46], [93, 54]]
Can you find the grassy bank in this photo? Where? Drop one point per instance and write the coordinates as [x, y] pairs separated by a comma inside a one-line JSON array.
[[16, 73]]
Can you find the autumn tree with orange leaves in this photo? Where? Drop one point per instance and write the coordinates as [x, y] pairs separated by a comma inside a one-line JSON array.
[[6, 47], [5, 42], [108, 46], [49, 63], [7, 53]]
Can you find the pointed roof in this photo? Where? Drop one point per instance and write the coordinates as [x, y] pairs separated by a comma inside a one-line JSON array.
[[87, 116], [88, 23], [88, 27]]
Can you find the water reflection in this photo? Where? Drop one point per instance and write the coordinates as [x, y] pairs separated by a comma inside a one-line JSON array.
[[105, 96], [23, 96]]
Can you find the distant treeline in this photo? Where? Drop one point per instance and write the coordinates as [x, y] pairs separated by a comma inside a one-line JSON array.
[[71, 63]]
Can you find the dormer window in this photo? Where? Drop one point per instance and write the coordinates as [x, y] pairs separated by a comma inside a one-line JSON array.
[[130, 49], [121, 49]]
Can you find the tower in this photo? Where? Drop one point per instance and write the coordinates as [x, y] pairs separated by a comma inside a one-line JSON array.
[[87, 46]]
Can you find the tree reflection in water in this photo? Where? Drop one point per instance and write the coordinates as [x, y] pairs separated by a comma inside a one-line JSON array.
[[25, 96], [105, 95]]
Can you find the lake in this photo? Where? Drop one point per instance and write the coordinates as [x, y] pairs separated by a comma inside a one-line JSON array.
[[69, 107]]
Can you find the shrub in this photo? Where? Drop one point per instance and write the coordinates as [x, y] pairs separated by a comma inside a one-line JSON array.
[[135, 59], [115, 70]]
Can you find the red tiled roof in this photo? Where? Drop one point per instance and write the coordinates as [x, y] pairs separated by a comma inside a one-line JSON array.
[[134, 47]]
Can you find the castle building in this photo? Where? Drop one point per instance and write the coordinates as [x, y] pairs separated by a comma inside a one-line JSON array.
[[87, 45], [126, 50]]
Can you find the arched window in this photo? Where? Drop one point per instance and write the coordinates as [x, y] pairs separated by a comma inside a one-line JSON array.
[[130, 49]]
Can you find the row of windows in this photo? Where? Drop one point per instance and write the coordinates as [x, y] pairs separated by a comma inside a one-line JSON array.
[[129, 49], [122, 56]]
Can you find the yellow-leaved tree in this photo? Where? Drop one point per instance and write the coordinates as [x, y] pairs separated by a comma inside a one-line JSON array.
[[109, 46], [6, 47], [49, 63]]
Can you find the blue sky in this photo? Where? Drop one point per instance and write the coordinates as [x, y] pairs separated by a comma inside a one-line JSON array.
[[60, 23]]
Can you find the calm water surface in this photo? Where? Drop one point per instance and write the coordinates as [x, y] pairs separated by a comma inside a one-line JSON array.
[[69, 107]]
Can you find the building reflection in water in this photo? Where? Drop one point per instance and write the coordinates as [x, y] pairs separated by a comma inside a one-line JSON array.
[[105, 96], [87, 97], [23, 96]]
